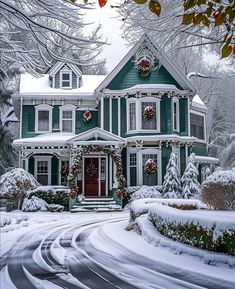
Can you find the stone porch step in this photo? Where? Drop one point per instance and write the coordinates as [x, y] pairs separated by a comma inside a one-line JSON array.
[[96, 204]]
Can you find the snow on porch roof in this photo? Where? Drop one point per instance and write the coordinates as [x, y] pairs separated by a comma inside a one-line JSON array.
[[206, 160], [55, 139], [31, 85]]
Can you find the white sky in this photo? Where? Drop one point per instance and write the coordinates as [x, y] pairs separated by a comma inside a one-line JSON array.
[[111, 29]]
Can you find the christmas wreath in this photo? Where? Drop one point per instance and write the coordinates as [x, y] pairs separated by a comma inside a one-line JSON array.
[[144, 66], [87, 116], [150, 167], [149, 112], [91, 169]]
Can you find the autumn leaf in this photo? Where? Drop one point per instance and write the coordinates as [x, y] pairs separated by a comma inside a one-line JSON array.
[[155, 7], [102, 2], [226, 50], [140, 1], [188, 18]]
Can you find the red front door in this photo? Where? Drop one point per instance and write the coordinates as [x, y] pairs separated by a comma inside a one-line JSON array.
[[91, 172]]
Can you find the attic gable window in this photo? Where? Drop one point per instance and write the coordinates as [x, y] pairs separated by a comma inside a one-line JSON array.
[[66, 79]]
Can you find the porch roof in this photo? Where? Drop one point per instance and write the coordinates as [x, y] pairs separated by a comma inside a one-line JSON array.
[[206, 160]]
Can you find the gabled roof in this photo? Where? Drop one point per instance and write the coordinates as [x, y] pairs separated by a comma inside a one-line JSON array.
[[59, 65], [164, 60], [97, 134]]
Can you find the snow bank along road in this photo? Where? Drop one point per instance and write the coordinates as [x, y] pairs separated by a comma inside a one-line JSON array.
[[77, 252]]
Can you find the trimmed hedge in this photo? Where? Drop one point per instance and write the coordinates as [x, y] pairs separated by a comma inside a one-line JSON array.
[[192, 233]]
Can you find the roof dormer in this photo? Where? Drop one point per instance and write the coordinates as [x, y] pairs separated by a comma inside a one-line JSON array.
[[65, 76]]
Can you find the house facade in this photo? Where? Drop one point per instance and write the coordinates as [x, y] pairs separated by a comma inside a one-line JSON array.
[[143, 110]]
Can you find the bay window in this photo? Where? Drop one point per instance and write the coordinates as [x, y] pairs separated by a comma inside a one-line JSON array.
[[197, 125]]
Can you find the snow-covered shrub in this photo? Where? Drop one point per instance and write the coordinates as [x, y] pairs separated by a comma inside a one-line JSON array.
[[34, 204], [15, 184], [51, 196], [146, 192], [218, 190], [205, 231], [172, 183], [190, 185], [5, 219]]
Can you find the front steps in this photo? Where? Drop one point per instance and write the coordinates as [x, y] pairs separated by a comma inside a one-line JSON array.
[[96, 205]]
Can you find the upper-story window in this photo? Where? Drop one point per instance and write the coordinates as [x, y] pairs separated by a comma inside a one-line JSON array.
[[138, 119], [65, 79], [197, 125], [67, 118], [43, 118], [175, 109]]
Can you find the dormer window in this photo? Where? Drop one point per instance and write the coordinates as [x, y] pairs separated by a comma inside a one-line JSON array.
[[66, 79]]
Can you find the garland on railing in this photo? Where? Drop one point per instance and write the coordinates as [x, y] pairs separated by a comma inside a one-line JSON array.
[[150, 167], [96, 148]]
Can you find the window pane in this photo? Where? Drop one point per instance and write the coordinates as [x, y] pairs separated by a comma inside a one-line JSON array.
[[132, 159], [149, 180], [67, 126], [65, 76], [132, 115], [150, 124], [133, 177], [42, 172], [67, 114], [43, 120], [175, 116], [65, 84], [197, 126]]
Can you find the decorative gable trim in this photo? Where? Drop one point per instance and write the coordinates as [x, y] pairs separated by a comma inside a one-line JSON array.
[[97, 133], [164, 59], [69, 66]]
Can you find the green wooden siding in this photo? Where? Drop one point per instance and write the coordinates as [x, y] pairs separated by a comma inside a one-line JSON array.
[[115, 116], [166, 115], [28, 121], [81, 126], [123, 117], [54, 171], [129, 76], [56, 118], [183, 116], [106, 114], [199, 149]]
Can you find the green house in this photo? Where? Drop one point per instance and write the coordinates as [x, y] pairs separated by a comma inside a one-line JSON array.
[[143, 110]]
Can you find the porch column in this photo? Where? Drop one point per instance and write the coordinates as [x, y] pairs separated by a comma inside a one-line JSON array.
[[110, 173]]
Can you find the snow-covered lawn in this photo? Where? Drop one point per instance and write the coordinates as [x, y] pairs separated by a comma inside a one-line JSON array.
[[110, 238]]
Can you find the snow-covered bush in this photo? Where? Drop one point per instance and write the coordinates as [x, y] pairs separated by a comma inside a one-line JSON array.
[[172, 183], [36, 204], [15, 184], [218, 190], [51, 196], [146, 192], [5, 219], [190, 185], [205, 231]]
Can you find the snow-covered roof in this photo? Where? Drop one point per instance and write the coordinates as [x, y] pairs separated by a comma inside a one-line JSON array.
[[198, 103], [56, 139], [31, 85], [206, 160], [167, 137]]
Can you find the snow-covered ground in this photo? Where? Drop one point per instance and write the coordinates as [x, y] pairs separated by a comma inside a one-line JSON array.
[[93, 250]]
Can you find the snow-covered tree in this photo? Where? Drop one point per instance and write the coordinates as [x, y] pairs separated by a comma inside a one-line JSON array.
[[190, 185], [29, 31], [172, 184], [16, 183]]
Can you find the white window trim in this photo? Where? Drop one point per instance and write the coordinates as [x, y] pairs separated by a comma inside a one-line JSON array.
[[43, 107], [68, 107], [42, 158], [70, 78], [138, 102], [176, 101], [139, 160], [204, 123]]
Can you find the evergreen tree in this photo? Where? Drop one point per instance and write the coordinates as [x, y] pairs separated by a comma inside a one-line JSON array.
[[172, 184], [190, 185]]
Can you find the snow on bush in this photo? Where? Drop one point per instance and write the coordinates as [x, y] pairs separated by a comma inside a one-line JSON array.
[[51, 195], [172, 183], [218, 190], [36, 204], [190, 185], [203, 230], [146, 192], [5, 219], [15, 184], [140, 207]]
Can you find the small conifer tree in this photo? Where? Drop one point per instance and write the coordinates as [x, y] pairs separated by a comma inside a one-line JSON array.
[[190, 185], [172, 183]]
